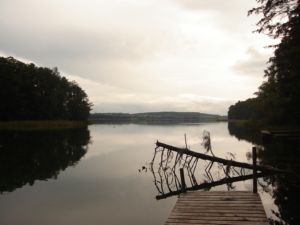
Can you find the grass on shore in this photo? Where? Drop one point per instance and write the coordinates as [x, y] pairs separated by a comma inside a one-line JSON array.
[[41, 124]]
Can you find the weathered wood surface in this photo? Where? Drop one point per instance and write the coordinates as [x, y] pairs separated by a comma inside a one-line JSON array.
[[218, 208]]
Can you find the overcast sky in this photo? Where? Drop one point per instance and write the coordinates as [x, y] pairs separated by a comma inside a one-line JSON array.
[[142, 55]]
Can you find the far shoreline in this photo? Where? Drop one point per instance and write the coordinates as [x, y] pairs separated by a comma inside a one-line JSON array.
[[151, 118]]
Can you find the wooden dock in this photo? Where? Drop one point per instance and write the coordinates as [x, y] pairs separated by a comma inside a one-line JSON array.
[[218, 208]]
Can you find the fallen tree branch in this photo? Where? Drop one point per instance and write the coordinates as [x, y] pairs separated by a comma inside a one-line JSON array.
[[218, 159]]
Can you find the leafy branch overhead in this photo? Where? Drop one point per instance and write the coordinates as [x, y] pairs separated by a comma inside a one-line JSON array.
[[277, 20]]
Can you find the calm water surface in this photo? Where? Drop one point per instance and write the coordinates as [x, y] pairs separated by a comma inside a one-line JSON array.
[[91, 176]]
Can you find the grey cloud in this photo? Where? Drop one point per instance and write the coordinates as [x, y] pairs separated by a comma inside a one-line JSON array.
[[32, 30], [98, 55], [212, 5], [131, 46], [72, 44], [229, 14], [254, 65], [105, 51]]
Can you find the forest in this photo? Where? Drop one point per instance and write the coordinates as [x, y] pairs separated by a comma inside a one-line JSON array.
[[277, 99], [29, 92]]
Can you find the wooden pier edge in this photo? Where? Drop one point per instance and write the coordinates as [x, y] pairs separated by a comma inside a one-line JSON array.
[[218, 208]]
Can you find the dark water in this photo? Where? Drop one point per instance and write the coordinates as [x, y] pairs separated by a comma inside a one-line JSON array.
[[283, 153], [90, 176]]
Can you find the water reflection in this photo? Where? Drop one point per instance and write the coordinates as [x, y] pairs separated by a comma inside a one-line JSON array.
[[27, 156], [202, 171], [105, 187], [284, 188], [242, 133]]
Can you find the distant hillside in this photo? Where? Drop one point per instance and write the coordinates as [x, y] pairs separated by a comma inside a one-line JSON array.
[[155, 117]]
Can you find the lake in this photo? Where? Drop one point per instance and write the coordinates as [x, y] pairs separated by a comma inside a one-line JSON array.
[[98, 175]]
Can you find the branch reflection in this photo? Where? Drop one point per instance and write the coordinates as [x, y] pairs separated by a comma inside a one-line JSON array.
[[200, 174]]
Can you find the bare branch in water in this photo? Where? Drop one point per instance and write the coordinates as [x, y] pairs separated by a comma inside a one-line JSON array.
[[167, 161]]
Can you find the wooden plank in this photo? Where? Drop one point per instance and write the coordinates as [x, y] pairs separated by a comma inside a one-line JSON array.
[[228, 198], [216, 223], [179, 205], [199, 203], [222, 218], [211, 210], [217, 214], [218, 205], [219, 200], [216, 201], [218, 208]]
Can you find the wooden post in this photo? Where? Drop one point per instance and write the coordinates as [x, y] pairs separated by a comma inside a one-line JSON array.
[[183, 186], [254, 170]]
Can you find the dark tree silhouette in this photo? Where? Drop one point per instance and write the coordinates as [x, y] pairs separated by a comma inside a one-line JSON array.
[[28, 92], [245, 110], [279, 95]]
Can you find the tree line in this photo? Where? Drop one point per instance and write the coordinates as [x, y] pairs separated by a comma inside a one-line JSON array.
[[28, 92], [155, 117], [277, 100]]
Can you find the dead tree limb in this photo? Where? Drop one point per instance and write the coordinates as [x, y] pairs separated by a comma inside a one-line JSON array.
[[226, 162]]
